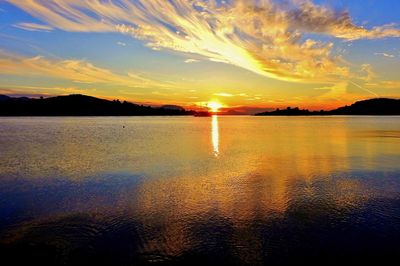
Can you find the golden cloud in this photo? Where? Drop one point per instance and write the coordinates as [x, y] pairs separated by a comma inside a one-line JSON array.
[[35, 91], [79, 71], [262, 36]]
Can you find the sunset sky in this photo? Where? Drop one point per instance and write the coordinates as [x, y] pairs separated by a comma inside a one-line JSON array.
[[246, 55]]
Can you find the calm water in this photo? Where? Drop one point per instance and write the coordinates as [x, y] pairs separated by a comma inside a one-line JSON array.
[[226, 190]]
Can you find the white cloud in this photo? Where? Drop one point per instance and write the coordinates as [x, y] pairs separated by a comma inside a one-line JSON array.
[[385, 55]]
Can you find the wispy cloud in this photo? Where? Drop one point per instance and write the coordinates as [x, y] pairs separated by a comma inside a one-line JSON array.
[[384, 84], [191, 60], [224, 94], [34, 91], [339, 92], [121, 43], [263, 36], [79, 71], [385, 55], [33, 27], [368, 72]]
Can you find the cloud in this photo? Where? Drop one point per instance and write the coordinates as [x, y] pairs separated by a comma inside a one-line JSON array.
[[190, 60], [224, 94], [309, 17], [384, 84], [33, 27], [121, 43], [339, 92], [385, 55], [336, 92], [78, 71], [35, 92], [368, 71], [262, 36]]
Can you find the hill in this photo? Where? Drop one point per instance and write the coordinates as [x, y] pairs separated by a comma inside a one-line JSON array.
[[79, 105], [377, 106]]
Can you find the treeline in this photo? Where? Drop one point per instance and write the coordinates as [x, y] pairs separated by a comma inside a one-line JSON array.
[[80, 105]]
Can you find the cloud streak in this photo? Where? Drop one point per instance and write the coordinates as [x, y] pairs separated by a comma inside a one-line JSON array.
[[33, 27], [266, 37], [121, 43], [78, 71], [385, 55], [384, 84], [191, 60]]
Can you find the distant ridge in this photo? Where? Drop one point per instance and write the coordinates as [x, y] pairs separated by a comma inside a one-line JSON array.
[[80, 105], [377, 106]]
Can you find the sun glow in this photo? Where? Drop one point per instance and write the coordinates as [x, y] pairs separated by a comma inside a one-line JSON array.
[[214, 106]]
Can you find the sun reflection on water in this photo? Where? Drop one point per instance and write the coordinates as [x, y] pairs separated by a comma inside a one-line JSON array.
[[269, 182], [215, 135]]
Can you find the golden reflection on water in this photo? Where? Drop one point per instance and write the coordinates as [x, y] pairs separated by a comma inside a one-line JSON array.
[[269, 168], [215, 135]]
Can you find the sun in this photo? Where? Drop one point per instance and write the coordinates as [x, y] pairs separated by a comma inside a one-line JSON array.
[[214, 106]]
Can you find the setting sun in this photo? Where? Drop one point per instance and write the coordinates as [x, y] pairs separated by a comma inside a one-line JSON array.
[[214, 106]]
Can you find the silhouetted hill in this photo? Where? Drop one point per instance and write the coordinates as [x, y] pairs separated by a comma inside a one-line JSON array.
[[377, 106], [79, 105], [4, 98]]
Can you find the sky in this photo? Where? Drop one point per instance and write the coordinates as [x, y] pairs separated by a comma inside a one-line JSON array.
[[248, 55]]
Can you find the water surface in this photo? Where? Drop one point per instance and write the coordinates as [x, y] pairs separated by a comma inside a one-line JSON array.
[[226, 190]]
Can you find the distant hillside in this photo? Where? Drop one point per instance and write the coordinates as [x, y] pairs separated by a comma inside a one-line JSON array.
[[289, 112], [378, 106], [79, 105]]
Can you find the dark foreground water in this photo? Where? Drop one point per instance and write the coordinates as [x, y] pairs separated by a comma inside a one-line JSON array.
[[185, 190]]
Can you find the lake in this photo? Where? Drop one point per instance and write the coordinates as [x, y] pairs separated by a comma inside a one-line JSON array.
[[190, 190]]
